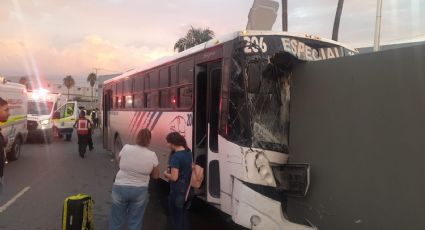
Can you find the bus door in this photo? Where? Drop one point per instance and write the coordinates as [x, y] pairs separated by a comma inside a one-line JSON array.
[[107, 104], [213, 99], [206, 117]]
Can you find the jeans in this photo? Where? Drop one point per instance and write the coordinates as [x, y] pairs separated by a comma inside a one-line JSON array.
[[176, 203], [128, 201]]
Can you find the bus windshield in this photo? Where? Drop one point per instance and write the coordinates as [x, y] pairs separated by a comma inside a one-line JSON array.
[[40, 107], [260, 83], [259, 111]]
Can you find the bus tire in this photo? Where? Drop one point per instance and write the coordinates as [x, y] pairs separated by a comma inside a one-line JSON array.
[[15, 153]]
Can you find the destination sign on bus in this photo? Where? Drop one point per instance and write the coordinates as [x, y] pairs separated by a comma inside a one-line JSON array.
[[308, 53], [303, 49]]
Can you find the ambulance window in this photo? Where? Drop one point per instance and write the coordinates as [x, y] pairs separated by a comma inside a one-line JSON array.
[[69, 110]]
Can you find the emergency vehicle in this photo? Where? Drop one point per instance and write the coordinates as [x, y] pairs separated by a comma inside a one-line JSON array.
[[15, 128], [41, 105], [64, 119]]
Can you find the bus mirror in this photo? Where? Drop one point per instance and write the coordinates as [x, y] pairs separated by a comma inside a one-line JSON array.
[[56, 115], [254, 77]]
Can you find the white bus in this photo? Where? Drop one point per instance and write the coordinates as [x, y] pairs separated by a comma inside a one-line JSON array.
[[230, 98], [41, 105], [15, 128]]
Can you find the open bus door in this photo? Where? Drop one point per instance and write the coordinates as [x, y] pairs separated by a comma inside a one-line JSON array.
[[107, 104], [207, 103]]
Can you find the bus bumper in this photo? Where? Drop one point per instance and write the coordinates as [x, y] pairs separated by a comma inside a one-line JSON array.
[[256, 211]]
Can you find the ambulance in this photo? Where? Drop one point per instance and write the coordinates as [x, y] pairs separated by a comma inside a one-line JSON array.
[[41, 106], [15, 128], [64, 119]]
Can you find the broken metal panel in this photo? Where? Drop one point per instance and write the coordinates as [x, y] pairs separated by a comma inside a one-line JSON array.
[[360, 123]]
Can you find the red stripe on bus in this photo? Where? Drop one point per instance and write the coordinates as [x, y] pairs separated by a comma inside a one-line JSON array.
[[136, 126], [132, 119]]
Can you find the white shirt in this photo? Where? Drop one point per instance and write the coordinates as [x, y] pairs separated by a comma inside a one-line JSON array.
[[136, 164]]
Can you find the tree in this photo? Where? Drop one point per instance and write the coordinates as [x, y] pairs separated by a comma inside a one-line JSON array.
[[68, 82], [285, 15], [335, 30], [92, 78], [194, 36]]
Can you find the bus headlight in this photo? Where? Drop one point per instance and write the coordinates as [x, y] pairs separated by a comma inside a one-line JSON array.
[[45, 122]]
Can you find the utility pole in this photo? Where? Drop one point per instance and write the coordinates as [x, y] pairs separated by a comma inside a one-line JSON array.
[[285, 15], [337, 20], [378, 26]]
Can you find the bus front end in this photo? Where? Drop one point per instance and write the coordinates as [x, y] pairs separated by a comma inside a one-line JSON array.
[[256, 174]]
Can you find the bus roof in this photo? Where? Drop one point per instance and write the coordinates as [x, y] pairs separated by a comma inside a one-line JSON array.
[[214, 42]]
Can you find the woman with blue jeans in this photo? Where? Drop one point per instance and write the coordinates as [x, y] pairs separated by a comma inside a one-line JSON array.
[[130, 190], [179, 174]]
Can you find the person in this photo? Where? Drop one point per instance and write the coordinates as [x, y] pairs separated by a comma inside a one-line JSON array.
[[4, 115], [137, 164], [83, 126], [94, 118], [178, 174]]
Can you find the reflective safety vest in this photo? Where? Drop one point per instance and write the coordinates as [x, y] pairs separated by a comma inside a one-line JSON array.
[[82, 126]]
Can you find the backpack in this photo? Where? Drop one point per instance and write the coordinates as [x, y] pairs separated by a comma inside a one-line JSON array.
[[196, 179], [77, 213]]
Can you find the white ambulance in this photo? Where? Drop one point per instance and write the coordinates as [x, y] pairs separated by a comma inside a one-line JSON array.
[[15, 128], [41, 106]]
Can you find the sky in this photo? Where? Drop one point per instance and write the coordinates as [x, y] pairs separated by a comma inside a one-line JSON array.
[[55, 38]]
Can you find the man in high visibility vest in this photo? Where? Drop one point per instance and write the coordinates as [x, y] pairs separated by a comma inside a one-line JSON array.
[[84, 127]]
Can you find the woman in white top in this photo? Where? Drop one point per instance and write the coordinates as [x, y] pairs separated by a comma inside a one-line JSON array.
[[130, 190]]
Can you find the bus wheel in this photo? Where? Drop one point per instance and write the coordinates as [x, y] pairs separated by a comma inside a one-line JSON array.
[[15, 153], [117, 146]]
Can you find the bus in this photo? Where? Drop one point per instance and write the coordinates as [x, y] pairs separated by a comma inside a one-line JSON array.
[[230, 99]]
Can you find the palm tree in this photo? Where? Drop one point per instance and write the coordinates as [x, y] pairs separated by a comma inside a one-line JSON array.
[[92, 78], [285, 15], [68, 82], [194, 36], [335, 30]]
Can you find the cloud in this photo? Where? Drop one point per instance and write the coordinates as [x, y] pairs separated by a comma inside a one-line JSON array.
[[77, 59], [61, 37]]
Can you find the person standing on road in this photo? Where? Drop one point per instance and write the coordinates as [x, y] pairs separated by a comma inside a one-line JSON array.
[[83, 126], [130, 190], [4, 115], [94, 118], [178, 174]]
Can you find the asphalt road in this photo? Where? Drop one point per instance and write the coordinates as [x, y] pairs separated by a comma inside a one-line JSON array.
[[36, 185]]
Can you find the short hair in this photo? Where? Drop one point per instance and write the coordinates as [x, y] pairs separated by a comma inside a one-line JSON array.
[[82, 113], [176, 139], [144, 137], [3, 102]]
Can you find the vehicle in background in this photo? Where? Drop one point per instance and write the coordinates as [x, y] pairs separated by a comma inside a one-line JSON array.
[[64, 119], [230, 98], [41, 105], [15, 128]]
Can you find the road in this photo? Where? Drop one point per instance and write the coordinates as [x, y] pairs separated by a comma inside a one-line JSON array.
[[36, 185]]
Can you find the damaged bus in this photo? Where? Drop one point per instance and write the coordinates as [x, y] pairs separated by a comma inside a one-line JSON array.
[[230, 98]]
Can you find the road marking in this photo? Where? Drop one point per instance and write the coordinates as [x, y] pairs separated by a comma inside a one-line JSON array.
[[13, 200]]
